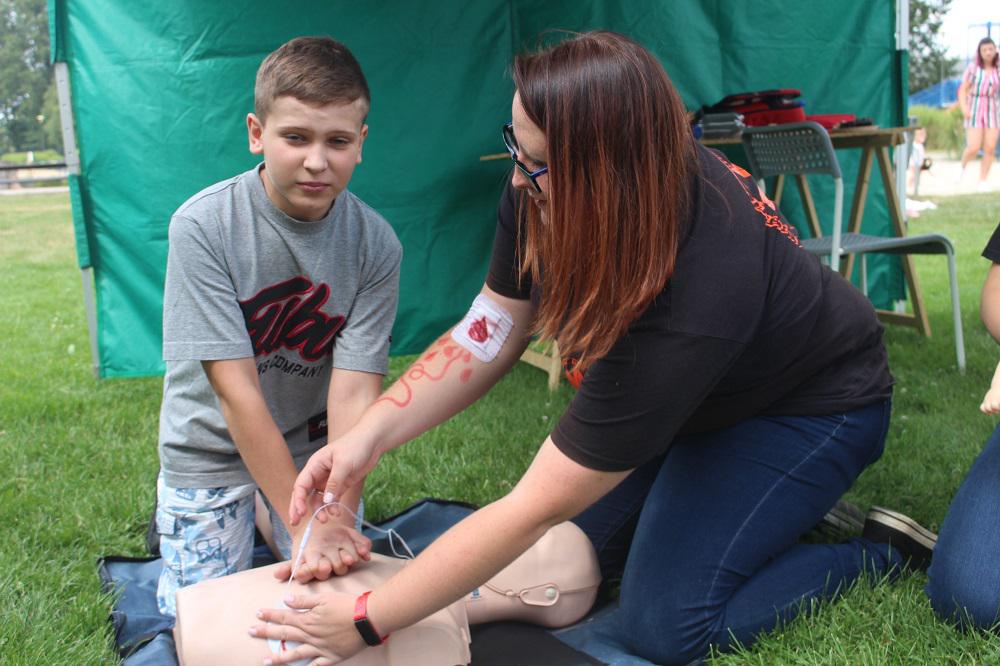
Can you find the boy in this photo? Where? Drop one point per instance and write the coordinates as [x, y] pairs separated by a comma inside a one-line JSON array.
[[280, 295]]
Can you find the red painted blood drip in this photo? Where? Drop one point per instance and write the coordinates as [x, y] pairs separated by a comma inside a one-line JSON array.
[[418, 371], [479, 330]]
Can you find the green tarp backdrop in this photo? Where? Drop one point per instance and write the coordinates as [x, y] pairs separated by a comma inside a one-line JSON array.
[[160, 92]]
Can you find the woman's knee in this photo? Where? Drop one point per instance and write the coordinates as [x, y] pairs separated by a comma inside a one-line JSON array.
[[964, 580], [990, 137], [666, 634], [963, 598], [990, 141]]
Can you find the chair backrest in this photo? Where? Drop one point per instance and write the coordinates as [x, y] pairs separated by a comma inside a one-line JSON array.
[[789, 149]]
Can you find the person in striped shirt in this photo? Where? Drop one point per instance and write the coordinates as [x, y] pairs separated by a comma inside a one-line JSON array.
[[979, 96]]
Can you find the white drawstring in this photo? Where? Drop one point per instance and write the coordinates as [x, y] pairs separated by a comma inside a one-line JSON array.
[[391, 533], [279, 646]]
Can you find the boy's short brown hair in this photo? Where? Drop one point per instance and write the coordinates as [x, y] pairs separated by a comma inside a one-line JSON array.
[[319, 70]]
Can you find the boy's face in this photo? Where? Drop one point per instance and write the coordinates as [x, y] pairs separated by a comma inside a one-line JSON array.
[[309, 153]]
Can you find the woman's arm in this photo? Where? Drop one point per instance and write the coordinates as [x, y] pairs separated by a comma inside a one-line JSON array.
[[445, 379], [989, 302], [991, 401], [989, 312], [963, 96], [554, 489]]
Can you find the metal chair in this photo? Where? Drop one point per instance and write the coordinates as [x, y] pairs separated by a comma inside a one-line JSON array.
[[801, 148]]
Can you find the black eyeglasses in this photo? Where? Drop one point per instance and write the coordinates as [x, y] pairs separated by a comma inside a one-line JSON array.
[[511, 143]]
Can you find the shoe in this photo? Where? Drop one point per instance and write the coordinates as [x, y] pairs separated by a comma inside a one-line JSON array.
[[983, 186], [914, 542], [844, 517]]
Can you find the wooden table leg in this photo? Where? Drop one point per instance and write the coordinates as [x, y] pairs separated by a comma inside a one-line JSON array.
[[779, 189], [545, 356], [858, 204], [919, 317], [808, 204]]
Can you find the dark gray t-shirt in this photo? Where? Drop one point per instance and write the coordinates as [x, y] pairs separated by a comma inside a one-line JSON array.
[[245, 280]]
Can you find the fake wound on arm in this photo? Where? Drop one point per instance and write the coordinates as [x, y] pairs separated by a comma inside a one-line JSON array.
[[460, 366]]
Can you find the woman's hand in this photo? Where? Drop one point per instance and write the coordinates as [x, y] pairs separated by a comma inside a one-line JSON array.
[[333, 548], [332, 470], [325, 629], [963, 98], [991, 402]]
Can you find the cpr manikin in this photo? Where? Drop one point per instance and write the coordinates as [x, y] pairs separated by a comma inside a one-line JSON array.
[[552, 584]]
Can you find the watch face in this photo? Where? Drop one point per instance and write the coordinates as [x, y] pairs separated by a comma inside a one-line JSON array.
[[367, 631], [363, 624]]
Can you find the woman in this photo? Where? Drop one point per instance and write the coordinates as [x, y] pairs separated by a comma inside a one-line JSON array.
[[732, 387], [979, 96], [964, 582]]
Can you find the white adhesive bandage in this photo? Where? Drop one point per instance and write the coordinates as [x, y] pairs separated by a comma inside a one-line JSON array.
[[484, 329]]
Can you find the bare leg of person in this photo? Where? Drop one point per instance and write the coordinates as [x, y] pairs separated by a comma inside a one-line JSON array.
[[262, 520], [973, 141], [989, 151]]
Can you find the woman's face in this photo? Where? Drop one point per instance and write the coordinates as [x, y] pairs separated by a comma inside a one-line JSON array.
[[532, 151], [987, 52]]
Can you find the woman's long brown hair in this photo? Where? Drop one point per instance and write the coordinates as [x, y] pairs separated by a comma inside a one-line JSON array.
[[620, 157]]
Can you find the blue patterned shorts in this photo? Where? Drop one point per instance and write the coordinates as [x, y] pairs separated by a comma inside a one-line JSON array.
[[206, 533]]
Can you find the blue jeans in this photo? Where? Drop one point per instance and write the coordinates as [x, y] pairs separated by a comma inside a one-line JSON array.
[[964, 579], [706, 536]]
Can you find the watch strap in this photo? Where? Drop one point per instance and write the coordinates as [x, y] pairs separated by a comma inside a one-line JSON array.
[[364, 626]]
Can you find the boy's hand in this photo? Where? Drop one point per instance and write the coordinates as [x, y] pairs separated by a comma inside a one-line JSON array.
[[333, 548], [991, 402]]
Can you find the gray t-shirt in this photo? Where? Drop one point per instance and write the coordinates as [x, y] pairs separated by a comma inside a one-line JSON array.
[[245, 280]]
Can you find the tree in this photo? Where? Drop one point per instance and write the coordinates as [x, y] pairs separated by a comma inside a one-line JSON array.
[[25, 72], [51, 125], [929, 62]]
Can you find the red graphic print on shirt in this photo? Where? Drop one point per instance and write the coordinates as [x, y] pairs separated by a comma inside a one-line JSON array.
[[289, 314], [764, 206], [573, 375]]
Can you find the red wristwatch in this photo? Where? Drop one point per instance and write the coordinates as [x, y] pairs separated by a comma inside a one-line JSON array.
[[364, 625]]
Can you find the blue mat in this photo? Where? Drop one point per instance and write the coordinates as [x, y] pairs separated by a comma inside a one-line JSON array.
[[143, 636]]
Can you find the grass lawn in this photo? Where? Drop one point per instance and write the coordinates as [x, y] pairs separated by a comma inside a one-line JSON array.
[[78, 456]]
